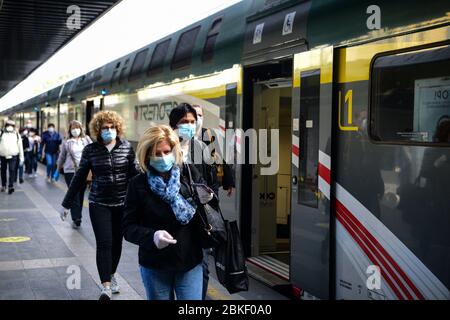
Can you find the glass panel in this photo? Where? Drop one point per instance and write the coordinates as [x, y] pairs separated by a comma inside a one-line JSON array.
[[411, 97], [309, 138], [183, 52], [159, 55]]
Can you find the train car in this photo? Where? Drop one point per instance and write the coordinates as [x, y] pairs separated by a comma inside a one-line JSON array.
[[359, 95]]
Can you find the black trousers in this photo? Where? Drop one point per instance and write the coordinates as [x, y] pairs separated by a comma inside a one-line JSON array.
[[77, 207], [106, 222], [11, 166]]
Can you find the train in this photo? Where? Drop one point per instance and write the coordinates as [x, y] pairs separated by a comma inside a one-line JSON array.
[[359, 94]]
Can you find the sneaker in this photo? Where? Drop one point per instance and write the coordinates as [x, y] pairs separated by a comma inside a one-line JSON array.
[[10, 190], [30, 176], [114, 285], [49, 180], [35, 175], [105, 294], [3, 189]]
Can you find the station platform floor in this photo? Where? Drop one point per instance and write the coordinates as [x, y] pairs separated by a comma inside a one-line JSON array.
[[39, 253]]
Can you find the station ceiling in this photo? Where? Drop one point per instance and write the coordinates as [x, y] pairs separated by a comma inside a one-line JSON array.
[[31, 31]]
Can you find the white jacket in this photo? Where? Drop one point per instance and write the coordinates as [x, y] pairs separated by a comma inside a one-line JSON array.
[[11, 145], [68, 154]]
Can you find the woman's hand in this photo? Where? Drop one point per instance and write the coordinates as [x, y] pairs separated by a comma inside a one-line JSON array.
[[63, 213], [162, 239]]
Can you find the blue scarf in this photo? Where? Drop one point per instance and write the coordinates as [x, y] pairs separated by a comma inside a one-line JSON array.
[[170, 193]]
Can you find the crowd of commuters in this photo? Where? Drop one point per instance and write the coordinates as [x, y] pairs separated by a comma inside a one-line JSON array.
[[145, 196]]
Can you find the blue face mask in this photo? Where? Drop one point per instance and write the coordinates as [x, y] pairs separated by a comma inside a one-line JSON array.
[[162, 164], [109, 135], [186, 131]]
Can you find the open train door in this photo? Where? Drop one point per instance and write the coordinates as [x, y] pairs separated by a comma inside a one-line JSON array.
[[311, 168]]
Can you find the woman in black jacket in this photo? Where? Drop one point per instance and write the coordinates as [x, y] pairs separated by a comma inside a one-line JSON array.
[[112, 162], [160, 216]]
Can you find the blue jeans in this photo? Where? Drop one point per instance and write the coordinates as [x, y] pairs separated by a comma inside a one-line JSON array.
[[205, 268], [161, 285], [50, 159]]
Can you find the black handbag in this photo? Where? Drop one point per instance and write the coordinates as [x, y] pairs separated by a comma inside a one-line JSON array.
[[230, 261], [212, 229]]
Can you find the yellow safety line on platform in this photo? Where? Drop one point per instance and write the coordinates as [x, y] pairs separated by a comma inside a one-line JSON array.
[[14, 239]]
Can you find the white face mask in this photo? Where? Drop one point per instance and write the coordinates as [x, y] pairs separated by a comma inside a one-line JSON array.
[[9, 128], [51, 129], [25, 132], [75, 132]]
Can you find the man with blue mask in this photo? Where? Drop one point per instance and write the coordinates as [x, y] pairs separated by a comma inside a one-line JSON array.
[[51, 140], [183, 119]]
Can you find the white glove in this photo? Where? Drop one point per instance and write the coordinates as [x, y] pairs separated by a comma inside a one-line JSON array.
[[63, 213], [162, 239]]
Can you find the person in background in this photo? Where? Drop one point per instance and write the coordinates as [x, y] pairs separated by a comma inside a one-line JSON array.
[[183, 119], [112, 161], [205, 135], [29, 124], [160, 217], [34, 140], [51, 140], [11, 155], [68, 163], [26, 149]]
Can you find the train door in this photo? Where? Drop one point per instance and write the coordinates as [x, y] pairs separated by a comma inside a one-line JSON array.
[[311, 167], [271, 115]]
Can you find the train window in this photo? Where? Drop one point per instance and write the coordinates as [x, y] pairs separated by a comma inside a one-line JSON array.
[[124, 70], [138, 63], [158, 57], [309, 138], [185, 46], [410, 100], [208, 50]]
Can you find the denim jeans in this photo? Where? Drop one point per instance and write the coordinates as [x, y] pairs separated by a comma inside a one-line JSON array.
[[50, 159], [20, 169], [205, 267], [161, 284]]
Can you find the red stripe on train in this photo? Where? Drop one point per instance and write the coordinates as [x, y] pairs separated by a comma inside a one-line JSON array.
[[370, 241], [341, 219], [380, 248], [324, 173], [295, 150]]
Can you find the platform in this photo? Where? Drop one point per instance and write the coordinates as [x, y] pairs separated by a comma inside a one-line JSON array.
[[42, 252]]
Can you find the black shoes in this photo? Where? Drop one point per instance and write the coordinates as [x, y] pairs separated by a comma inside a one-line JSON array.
[[76, 224], [20, 181], [10, 190]]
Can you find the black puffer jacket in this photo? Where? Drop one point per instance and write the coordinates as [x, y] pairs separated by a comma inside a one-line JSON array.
[[111, 172]]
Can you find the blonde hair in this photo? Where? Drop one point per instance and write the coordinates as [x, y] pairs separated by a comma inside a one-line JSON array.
[[101, 117], [151, 138]]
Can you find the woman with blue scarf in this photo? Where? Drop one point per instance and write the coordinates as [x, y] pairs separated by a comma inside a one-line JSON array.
[[160, 217]]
